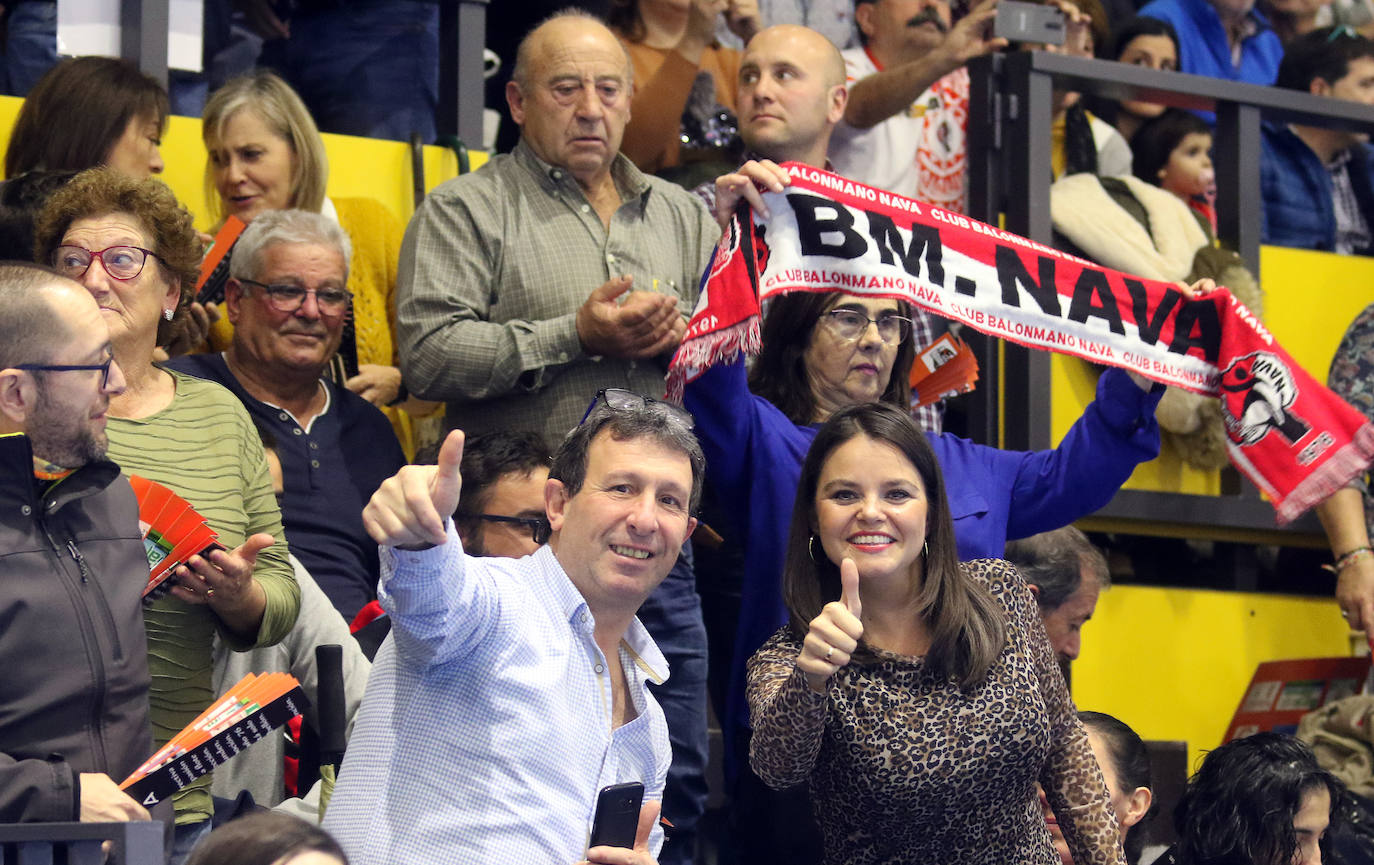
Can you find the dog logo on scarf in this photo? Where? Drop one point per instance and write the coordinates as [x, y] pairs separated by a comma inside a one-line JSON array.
[[1257, 392]]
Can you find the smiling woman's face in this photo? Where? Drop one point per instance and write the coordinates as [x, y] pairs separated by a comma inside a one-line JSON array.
[[844, 372]]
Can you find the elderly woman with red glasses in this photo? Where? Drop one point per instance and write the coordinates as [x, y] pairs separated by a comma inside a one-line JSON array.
[[134, 249]]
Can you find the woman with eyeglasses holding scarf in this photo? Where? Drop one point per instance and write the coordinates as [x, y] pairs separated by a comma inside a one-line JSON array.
[[135, 250]]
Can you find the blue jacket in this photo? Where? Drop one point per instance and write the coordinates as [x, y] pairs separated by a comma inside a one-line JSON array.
[[1204, 49], [1296, 189], [754, 456]]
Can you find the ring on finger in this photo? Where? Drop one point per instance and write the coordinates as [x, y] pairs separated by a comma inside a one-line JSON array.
[[829, 653]]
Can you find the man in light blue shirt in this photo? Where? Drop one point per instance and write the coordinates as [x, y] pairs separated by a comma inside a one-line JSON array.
[[511, 691]]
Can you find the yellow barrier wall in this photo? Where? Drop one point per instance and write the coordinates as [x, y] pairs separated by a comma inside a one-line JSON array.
[[1174, 663]]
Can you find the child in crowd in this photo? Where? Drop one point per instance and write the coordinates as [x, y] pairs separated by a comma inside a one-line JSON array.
[[1173, 151]]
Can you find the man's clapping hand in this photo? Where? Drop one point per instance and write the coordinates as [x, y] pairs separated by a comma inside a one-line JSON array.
[[644, 324]]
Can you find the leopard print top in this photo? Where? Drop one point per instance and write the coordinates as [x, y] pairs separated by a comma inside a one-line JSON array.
[[905, 767]]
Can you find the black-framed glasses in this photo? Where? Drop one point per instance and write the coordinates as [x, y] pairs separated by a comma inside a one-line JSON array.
[[288, 298], [104, 368], [619, 399], [850, 324], [538, 526], [121, 262]]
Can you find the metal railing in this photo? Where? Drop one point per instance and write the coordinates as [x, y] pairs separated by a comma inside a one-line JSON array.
[[80, 843], [1009, 175]]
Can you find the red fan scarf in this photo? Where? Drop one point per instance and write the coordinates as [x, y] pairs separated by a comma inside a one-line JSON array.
[[1297, 441]]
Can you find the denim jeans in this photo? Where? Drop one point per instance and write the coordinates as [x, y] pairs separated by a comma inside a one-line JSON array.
[[365, 67], [30, 45], [672, 615]]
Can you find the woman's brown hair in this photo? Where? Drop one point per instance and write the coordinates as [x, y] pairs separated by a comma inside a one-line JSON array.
[[967, 628], [263, 838], [105, 192], [77, 112]]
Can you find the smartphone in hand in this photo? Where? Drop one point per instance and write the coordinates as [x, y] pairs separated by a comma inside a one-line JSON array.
[[617, 815], [1019, 21]]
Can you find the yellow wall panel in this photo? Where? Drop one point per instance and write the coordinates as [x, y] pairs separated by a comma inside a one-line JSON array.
[[1174, 663]]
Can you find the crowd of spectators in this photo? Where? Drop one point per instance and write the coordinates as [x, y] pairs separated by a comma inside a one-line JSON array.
[[389, 430]]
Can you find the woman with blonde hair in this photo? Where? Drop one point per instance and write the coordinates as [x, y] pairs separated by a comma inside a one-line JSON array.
[[265, 153]]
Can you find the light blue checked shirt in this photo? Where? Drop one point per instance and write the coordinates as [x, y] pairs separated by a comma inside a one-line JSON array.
[[486, 728]]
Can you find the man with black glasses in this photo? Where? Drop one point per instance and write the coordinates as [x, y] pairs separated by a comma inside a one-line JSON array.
[[501, 510], [287, 301], [74, 696]]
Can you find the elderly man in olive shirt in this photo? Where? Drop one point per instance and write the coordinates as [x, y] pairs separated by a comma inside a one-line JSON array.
[[548, 274]]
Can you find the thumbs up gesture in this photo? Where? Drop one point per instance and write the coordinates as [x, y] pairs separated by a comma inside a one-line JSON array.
[[409, 508], [834, 634]]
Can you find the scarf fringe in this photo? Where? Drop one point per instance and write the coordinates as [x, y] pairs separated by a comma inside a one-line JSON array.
[[697, 355], [1338, 471]]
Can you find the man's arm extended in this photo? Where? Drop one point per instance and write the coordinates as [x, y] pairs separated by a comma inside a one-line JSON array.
[[891, 91]]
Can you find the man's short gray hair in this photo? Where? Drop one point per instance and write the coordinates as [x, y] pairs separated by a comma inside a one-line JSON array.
[[1054, 563], [286, 226]]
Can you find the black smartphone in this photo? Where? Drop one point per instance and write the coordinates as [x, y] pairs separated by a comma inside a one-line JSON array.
[[1018, 21], [617, 815]]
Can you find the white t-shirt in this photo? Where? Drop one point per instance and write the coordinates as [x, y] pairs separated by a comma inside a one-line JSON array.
[[920, 153]]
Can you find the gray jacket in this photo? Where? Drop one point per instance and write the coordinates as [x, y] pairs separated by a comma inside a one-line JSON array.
[[74, 686]]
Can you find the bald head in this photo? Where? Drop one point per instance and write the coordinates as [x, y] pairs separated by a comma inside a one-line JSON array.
[[792, 93], [809, 46], [539, 42]]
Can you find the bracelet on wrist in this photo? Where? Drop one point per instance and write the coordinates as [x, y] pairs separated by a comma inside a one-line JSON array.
[[1349, 557]]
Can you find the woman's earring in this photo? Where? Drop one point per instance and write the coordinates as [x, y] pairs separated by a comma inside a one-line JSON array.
[[168, 313], [811, 547], [925, 548]]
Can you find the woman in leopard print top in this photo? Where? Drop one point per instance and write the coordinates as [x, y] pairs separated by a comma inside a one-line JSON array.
[[925, 703]]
